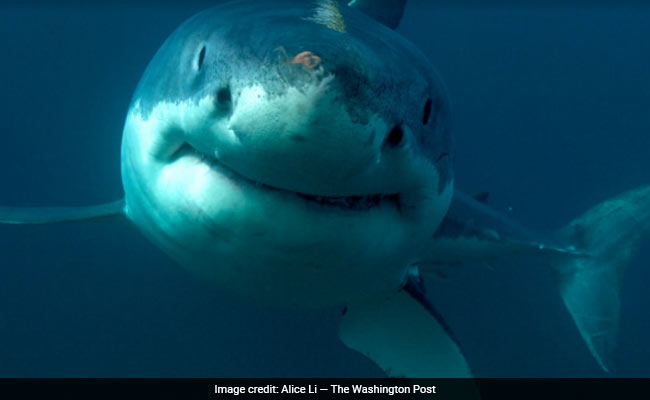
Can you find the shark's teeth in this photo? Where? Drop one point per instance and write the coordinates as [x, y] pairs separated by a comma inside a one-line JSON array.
[[356, 203]]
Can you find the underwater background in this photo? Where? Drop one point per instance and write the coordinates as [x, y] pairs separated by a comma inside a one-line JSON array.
[[551, 113]]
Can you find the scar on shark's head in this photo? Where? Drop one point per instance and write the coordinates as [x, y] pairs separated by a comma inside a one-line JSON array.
[[307, 59]]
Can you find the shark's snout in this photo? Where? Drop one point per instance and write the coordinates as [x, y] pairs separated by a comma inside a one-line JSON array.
[[311, 140]]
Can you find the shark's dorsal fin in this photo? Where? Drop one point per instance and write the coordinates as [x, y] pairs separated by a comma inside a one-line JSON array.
[[388, 12]]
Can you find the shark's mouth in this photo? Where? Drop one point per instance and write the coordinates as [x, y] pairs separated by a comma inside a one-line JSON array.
[[356, 203], [351, 203]]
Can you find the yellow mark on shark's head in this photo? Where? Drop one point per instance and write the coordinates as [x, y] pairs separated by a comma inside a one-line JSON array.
[[328, 13]]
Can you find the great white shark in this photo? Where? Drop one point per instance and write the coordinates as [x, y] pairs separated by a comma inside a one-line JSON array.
[[288, 153]]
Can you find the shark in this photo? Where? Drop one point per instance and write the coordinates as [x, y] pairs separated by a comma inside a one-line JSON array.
[[285, 152]]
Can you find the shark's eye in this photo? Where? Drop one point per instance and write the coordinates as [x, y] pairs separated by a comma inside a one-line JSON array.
[[201, 57], [427, 112]]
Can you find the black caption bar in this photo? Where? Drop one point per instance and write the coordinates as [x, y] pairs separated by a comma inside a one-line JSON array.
[[294, 389]]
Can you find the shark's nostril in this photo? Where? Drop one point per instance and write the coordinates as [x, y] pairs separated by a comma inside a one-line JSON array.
[[224, 99], [395, 136]]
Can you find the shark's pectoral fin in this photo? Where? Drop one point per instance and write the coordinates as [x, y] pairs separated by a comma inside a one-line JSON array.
[[590, 286], [401, 335], [48, 215]]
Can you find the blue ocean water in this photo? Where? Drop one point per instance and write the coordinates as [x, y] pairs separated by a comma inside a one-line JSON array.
[[551, 115]]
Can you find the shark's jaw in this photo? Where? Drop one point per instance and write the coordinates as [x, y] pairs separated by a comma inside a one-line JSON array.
[[360, 202], [263, 241]]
